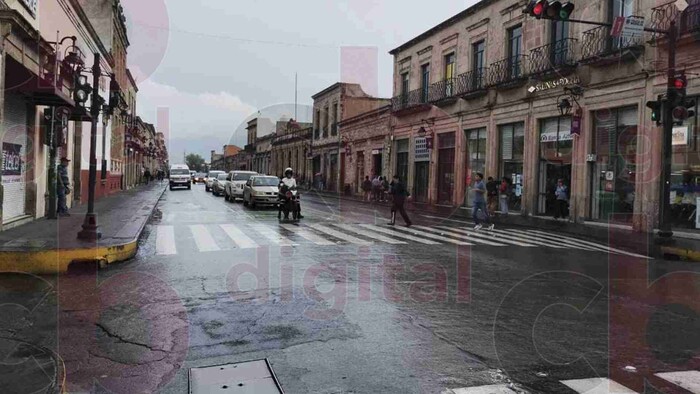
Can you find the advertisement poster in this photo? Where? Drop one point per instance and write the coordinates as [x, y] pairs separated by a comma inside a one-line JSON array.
[[11, 160]]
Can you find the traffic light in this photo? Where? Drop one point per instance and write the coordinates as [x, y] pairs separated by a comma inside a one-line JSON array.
[[656, 111], [553, 10], [82, 90], [683, 111], [677, 89]]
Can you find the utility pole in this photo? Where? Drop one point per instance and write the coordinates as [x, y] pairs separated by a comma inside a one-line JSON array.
[[665, 198]]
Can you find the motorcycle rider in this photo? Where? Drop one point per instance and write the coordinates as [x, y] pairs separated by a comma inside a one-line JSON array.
[[291, 183]]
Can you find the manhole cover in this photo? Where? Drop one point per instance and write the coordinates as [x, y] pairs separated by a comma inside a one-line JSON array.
[[246, 377]]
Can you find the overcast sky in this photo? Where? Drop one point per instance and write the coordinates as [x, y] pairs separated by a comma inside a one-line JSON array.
[[216, 63]]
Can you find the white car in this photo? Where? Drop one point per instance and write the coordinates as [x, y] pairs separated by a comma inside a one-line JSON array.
[[261, 190], [209, 180], [236, 183], [180, 176], [219, 184]]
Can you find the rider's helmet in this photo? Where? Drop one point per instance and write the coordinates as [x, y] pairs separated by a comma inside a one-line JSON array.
[[288, 171]]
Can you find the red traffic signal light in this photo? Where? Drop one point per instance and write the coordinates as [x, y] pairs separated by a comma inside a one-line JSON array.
[[554, 10], [536, 8], [680, 82]]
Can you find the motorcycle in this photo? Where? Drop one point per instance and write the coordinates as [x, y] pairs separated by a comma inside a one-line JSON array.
[[288, 203]]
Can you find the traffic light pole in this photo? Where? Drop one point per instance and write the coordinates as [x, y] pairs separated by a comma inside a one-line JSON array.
[[665, 198]]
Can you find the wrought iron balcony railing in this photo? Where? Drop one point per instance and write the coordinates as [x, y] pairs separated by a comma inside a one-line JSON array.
[[507, 70], [442, 90], [597, 42], [690, 19], [408, 100], [662, 16], [553, 56], [472, 81]]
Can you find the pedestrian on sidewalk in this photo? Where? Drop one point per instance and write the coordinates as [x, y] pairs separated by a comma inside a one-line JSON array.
[[63, 187], [504, 195], [147, 175], [562, 201], [385, 189], [367, 189], [399, 196], [492, 195], [480, 203], [376, 184]]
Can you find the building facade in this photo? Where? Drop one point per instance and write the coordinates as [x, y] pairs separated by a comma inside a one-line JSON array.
[[484, 92], [263, 154], [368, 148], [289, 149], [332, 105]]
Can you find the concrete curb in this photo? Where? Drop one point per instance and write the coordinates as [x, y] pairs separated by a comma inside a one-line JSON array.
[[57, 261]]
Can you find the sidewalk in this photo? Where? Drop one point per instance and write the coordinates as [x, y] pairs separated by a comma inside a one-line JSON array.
[[684, 245], [49, 246]]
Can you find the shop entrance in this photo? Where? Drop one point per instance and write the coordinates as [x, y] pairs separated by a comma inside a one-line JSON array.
[[360, 171], [421, 182], [446, 168], [556, 144], [376, 163], [550, 173]]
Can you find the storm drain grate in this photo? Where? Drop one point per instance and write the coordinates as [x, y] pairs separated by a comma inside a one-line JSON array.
[[246, 377]]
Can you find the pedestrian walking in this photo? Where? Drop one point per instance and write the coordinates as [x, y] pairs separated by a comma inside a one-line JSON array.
[[147, 175], [399, 195], [492, 195], [376, 184], [480, 203], [504, 195], [63, 187], [385, 189], [367, 189], [562, 200]]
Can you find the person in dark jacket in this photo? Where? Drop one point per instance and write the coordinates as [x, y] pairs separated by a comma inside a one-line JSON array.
[[491, 196], [63, 187], [367, 188], [399, 194]]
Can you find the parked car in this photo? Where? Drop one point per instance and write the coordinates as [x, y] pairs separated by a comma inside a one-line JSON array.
[[180, 176], [210, 179], [234, 188], [261, 190], [219, 184], [199, 177]]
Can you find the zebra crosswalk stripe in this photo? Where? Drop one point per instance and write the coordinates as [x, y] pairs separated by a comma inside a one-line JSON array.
[[307, 234], [205, 242], [273, 236], [597, 386], [561, 243], [603, 247], [369, 234], [339, 235], [237, 236], [689, 380], [443, 231], [488, 389], [501, 238], [165, 240], [398, 235], [432, 236]]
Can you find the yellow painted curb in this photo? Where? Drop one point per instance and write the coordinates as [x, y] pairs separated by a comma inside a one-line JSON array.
[[688, 254], [56, 261]]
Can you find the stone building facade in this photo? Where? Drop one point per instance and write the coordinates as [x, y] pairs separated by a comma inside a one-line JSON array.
[[332, 105], [290, 148], [262, 161], [367, 146], [480, 93]]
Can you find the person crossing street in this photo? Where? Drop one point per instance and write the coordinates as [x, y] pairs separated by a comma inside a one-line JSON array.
[[480, 203], [399, 194]]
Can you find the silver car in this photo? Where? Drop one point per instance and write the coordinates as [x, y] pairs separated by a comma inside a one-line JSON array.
[[235, 185], [219, 184], [209, 180], [261, 190]]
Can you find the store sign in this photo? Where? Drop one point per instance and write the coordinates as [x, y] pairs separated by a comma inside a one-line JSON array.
[[11, 159], [552, 137], [633, 27], [422, 153], [679, 136], [564, 81], [376, 151], [30, 5]]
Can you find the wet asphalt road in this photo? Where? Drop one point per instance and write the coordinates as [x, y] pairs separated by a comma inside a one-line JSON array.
[[342, 303]]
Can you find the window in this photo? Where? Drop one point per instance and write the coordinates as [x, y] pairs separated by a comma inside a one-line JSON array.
[[334, 126], [476, 157], [449, 73], [621, 8], [425, 82], [317, 125], [556, 145], [512, 139], [478, 64], [402, 149], [515, 43], [326, 122], [685, 172], [559, 43], [404, 83]]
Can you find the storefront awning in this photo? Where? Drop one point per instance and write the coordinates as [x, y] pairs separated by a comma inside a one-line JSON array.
[[35, 88]]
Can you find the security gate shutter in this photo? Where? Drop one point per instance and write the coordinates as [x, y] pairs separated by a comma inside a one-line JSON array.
[[14, 145]]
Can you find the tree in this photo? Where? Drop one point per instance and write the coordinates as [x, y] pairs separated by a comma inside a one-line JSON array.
[[195, 162]]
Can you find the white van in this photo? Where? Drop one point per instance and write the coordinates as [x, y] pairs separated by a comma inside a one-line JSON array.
[[180, 176]]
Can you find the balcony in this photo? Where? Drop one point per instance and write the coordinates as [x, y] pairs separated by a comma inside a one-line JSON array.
[[412, 100], [472, 82], [508, 71], [662, 16], [690, 19], [443, 91], [334, 129], [597, 45], [553, 57]]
